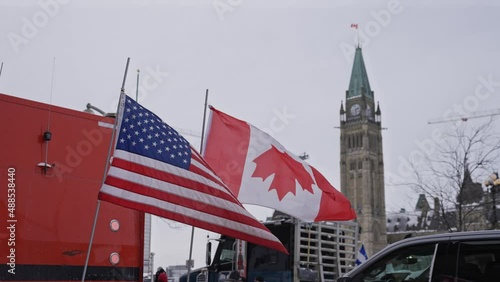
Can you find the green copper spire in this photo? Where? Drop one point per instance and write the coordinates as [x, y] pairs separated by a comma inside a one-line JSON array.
[[359, 84]]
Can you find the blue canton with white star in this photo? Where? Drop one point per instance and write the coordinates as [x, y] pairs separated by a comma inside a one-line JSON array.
[[144, 133]]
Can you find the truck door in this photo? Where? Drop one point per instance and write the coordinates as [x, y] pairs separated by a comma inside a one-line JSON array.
[[272, 265]]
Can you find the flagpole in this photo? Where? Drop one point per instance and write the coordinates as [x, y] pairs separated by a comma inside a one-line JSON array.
[[357, 35], [201, 153], [122, 92], [137, 88]]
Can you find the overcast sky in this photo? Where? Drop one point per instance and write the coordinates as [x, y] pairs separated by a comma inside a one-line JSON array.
[[260, 58]]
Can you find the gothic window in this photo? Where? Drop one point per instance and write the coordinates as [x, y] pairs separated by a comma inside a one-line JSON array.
[[360, 164], [352, 165], [359, 209], [374, 143]]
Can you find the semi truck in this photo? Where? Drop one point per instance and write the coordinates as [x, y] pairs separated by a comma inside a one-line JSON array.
[[321, 251], [51, 168]]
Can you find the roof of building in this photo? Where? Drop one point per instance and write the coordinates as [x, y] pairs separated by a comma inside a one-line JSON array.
[[422, 203], [405, 221], [359, 84]]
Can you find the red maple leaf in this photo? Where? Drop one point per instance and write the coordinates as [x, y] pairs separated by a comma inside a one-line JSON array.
[[285, 169]]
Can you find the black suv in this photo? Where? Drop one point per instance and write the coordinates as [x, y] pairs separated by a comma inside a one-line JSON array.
[[450, 257]]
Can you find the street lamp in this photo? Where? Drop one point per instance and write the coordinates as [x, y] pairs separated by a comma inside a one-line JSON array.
[[151, 265], [90, 109], [494, 182]]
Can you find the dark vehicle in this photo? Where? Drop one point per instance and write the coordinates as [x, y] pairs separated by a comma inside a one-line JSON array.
[[451, 257], [318, 252]]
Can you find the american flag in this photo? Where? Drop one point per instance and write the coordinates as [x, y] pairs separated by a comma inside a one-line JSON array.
[[155, 170]]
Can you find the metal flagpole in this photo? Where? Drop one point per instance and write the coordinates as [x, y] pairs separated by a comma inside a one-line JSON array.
[[201, 152], [122, 92], [357, 34], [137, 88]]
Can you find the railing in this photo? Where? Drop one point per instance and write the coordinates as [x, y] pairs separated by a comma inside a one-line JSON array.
[[327, 249]]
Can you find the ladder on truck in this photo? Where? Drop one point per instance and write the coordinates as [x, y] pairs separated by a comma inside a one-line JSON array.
[[326, 250]]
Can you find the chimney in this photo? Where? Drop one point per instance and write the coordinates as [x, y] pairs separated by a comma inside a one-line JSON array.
[[437, 207]]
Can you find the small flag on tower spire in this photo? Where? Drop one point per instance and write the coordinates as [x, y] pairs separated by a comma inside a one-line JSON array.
[[355, 26]]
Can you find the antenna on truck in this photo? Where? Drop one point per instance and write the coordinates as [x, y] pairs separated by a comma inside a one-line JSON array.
[[47, 135]]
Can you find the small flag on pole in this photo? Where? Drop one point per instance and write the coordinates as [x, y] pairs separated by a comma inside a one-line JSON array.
[[362, 256], [354, 26], [155, 170]]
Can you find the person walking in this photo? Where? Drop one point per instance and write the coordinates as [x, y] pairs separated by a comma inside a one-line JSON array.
[[161, 275]]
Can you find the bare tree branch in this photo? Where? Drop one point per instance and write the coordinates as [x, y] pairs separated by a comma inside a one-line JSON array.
[[464, 153]]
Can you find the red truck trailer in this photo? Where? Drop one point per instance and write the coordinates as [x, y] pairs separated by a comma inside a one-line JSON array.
[[52, 163]]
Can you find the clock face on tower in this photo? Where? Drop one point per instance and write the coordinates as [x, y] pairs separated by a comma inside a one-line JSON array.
[[355, 110]]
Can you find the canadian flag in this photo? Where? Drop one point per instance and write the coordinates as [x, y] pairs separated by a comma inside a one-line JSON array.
[[260, 171], [354, 26]]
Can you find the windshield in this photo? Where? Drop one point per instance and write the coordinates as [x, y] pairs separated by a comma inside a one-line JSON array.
[[225, 255], [412, 264]]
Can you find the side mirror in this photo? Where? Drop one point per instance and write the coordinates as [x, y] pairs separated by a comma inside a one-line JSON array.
[[208, 256]]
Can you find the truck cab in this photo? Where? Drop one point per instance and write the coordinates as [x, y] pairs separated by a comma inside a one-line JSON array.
[[317, 252]]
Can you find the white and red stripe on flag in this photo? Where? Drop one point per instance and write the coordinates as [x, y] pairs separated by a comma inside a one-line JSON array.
[[190, 193]]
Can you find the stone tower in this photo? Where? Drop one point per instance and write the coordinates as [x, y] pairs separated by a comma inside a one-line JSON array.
[[361, 158]]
